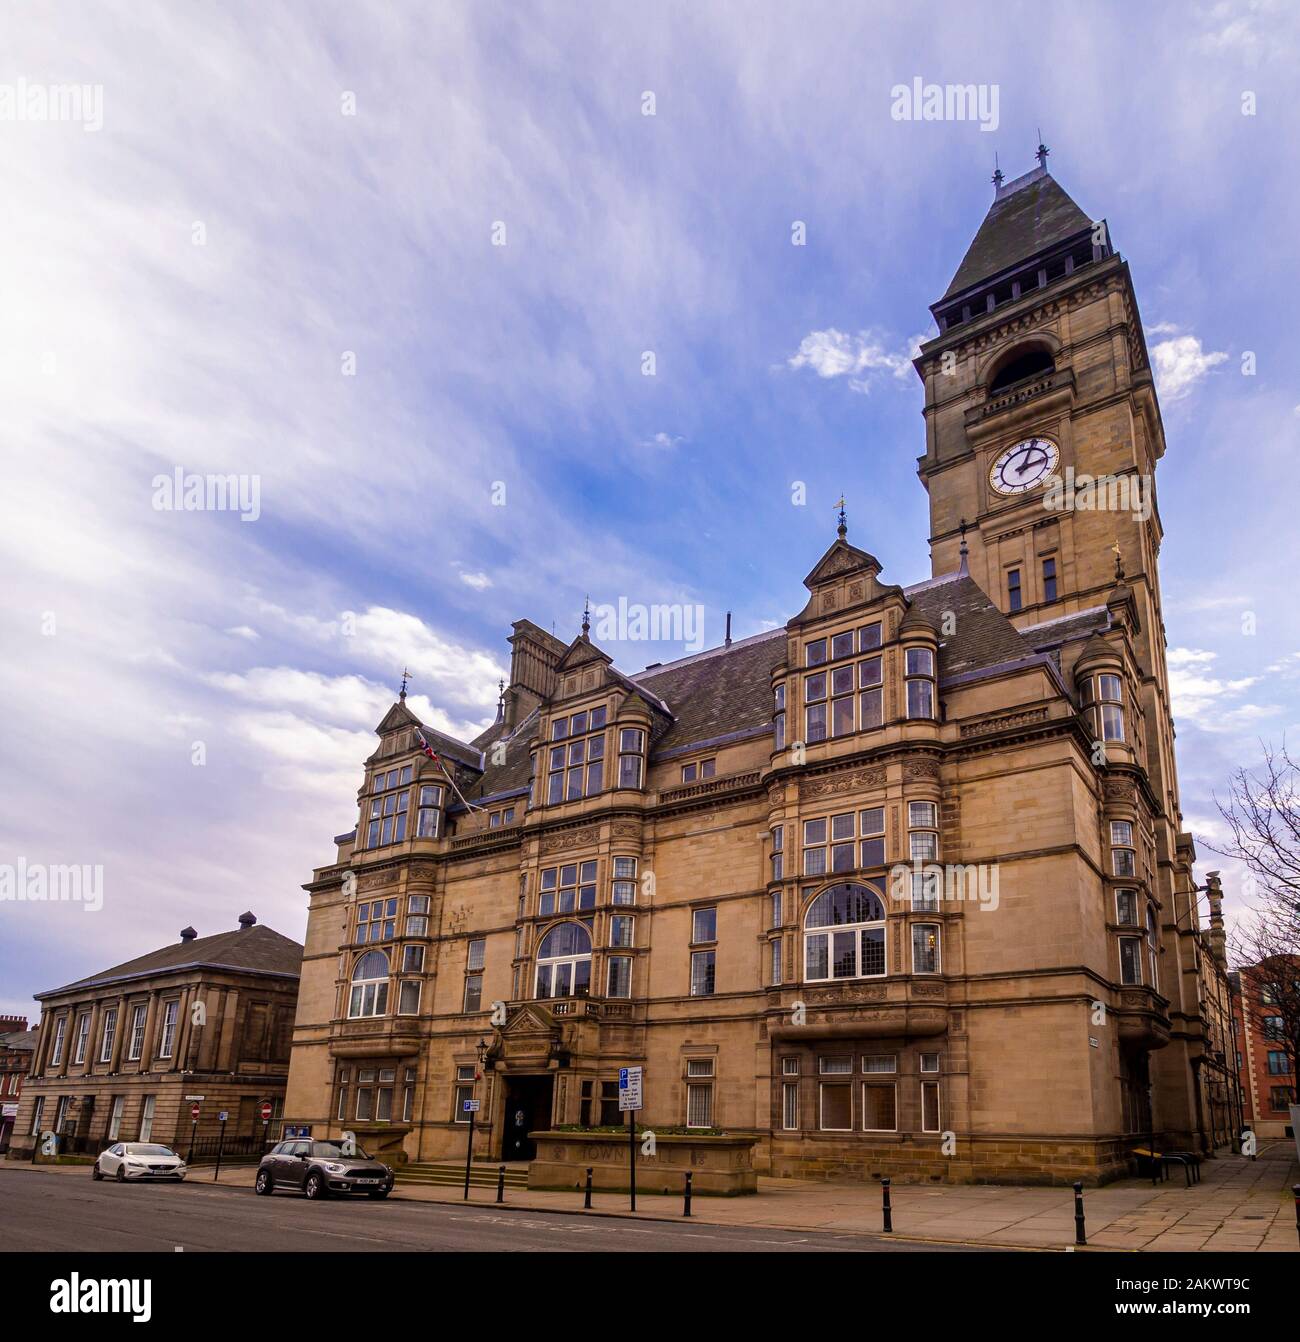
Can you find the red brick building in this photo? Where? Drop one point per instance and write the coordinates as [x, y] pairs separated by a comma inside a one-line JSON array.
[[17, 1044], [1268, 1080]]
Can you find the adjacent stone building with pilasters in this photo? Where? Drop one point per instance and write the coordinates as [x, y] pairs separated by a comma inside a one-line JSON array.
[[118, 1052]]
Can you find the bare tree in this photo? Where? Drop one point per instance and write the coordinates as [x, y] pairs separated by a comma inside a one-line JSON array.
[[1263, 817]]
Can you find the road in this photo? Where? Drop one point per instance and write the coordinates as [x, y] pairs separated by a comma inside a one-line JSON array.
[[64, 1212]]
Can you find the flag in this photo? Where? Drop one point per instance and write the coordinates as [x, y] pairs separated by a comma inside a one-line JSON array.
[[426, 747]]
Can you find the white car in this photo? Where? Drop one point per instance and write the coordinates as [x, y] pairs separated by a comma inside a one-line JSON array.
[[138, 1160]]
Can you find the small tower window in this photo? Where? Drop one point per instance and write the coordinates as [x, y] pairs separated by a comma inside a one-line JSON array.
[[1049, 579], [1014, 598]]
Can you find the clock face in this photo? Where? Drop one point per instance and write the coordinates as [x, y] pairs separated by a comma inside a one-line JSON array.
[[1023, 465]]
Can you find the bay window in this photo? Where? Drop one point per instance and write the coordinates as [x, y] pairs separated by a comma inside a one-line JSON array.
[[624, 885], [1123, 861], [620, 976], [925, 948], [919, 672], [429, 818], [631, 747]]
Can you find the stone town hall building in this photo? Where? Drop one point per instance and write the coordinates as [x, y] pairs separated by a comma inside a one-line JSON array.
[[692, 867]]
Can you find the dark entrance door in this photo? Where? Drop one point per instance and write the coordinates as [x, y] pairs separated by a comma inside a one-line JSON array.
[[528, 1109]]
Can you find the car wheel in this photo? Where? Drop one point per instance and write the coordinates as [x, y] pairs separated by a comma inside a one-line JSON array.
[[315, 1186], [121, 1174], [377, 1192], [264, 1184], [95, 1172]]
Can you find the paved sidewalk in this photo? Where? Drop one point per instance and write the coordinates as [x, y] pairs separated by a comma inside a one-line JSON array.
[[1239, 1205]]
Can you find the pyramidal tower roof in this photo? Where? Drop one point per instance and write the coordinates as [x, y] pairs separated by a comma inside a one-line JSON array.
[[1029, 215]]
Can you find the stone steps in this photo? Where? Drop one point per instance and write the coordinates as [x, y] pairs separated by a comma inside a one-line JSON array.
[[450, 1174]]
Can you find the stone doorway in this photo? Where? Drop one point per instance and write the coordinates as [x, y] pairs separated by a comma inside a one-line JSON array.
[[528, 1101]]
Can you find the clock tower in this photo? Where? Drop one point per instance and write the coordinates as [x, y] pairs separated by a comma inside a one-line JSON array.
[[1042, 426], [1043, 432]]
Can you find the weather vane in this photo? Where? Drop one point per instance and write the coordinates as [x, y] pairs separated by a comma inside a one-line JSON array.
[[406, 675]]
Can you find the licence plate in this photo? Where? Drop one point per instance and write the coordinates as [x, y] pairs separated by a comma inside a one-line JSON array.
[[365, 1181]]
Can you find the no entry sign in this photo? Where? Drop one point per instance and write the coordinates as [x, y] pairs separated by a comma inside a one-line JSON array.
[[266, 1111]]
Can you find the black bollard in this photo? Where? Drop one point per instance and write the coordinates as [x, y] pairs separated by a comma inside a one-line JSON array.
[[887, 1209], [501, 1183], [686, 1201], [1079, 1236], [586, 1202]]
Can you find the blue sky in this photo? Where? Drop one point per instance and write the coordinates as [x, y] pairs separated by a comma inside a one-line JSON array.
[[130, 349]]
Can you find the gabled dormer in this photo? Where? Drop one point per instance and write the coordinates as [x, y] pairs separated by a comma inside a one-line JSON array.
[[411, 778], [840, 679], [595, 730]]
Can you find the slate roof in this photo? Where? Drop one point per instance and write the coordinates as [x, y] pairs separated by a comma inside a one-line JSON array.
[[716, 693], [982, 636], [452, 748], [510, 776], [726, 693], [23, 1040], [258, 949], [1066, 628], [1029, 215]]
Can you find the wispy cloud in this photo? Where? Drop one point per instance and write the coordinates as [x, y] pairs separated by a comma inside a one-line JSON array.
[[1180, 363], [859, 357]]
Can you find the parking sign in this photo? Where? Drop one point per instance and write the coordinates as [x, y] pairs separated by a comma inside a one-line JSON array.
[[629, 1088]]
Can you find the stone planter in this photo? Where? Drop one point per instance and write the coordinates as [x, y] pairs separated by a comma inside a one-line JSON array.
[[719, 1166]]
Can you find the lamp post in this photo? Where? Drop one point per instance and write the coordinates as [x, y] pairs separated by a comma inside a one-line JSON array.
[[481, 1050]]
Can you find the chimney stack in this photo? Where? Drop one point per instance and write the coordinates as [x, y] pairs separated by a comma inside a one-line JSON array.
[[246, 920], [533, 657], [188, 934]]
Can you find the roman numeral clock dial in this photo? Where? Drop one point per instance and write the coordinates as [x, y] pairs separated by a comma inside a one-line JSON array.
[[1023, 465]]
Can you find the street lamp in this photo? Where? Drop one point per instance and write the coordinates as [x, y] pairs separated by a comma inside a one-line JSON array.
[[481, 1050]]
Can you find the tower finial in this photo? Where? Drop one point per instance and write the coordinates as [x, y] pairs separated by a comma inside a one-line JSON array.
[[843, 529], [1043, 152], [586, 616], [997, 175], [964, 551], [501, 700], [406, 675], [1119, 561]]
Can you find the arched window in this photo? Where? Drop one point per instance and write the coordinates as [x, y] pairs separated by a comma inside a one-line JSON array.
[[844, 934], [1030, 363], [369, 996], [564, 962]]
